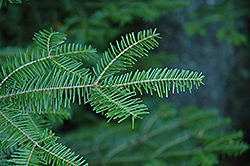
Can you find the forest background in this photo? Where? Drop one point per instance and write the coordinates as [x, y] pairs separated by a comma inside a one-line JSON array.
[[211, 36]]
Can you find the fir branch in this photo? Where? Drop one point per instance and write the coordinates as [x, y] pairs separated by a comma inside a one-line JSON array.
[[76, 51], [222, 139], [65, 50], [50, 88], [205, 159], [143, 138], [117, 103], [18, 128], [25, 157], [59, 153], [48, 40], [158, 80], [19, 68], [234, 148], [46, 89], [180, 138], [124, 53], [54, 77], [170, 144]]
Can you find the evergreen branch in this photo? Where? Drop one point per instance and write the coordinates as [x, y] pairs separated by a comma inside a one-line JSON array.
[[118, 103], [172, 125], [125, 53], [71, 50], [50, 88], [46, 89], [23, 64], [175, 128], [69, 56], [19, 127], [221, 139], [71, 66], [206, 126], [65, 50], [57, 154], [25, 135], [52, 151], [49, 40], [76, 51], [44, 82], [158, 80], [68, 69], [26, 157], [234, 148], [143, 138], [205, 159], [175, 142]]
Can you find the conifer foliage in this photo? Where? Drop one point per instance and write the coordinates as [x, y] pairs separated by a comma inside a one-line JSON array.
[[43, 82], [168, 136]]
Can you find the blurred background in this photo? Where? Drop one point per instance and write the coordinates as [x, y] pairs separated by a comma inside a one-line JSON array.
[[209, 36]]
